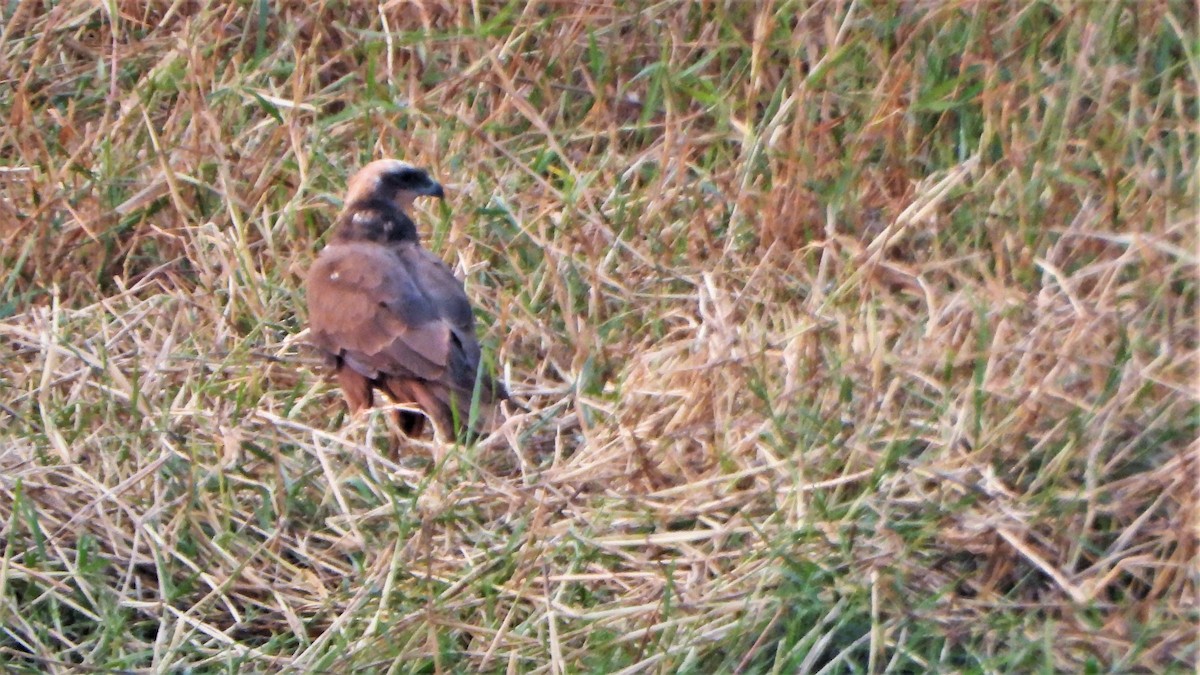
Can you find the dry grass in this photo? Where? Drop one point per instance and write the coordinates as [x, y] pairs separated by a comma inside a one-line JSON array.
[[856, 337]]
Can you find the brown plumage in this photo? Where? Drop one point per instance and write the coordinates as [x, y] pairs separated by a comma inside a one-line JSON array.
[[390, 313]]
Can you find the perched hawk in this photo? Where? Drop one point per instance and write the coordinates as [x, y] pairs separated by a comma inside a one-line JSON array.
[[390, 313]]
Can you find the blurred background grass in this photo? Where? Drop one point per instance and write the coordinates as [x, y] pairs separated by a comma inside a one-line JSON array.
[[856, 336]]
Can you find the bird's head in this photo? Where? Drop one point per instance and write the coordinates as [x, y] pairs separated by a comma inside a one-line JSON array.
[[392, 180]]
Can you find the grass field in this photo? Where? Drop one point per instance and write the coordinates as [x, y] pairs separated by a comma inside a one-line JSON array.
[[856, 336]]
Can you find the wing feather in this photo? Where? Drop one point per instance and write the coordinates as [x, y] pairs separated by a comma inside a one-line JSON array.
[[394, 310]]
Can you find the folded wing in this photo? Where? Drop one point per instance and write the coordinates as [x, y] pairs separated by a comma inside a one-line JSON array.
[[396, 311]]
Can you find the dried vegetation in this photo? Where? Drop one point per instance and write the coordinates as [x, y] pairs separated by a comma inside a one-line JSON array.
[[854, 336]]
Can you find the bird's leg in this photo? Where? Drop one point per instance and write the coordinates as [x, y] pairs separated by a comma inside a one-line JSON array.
[[355, 387], [438, 410], [401, 391]]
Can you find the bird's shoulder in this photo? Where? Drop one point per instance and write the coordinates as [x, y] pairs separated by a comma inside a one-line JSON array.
[[438, 284], [357, 263], [403, 279]]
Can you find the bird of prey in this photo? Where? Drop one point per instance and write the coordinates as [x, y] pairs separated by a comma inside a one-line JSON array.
[[390, 314]]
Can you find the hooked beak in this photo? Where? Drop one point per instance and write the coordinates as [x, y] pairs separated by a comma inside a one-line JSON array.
[[434, 190]]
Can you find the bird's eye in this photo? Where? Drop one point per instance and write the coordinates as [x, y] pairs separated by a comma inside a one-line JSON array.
[[407, 179]]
